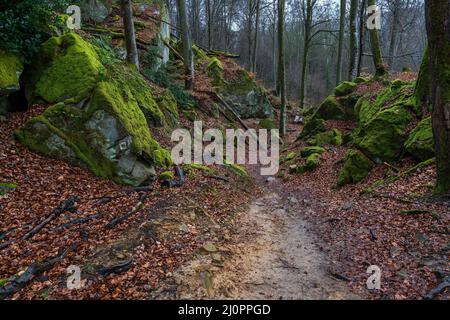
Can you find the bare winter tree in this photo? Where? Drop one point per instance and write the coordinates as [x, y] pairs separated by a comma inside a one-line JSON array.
[[343, 8], [281, 66], [188, 55], [376, 46], [353, 45], [130, 34]]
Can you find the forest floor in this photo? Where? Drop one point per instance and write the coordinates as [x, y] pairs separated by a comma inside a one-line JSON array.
[[294, 237]]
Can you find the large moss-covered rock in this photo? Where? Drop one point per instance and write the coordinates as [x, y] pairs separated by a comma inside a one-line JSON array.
[[312, 126], [356, 167], [330, 109], [11, 69], [420, 143], [333, 137], [307, 151], [345, 88], [383, 136], [72, 68], [101, 124]]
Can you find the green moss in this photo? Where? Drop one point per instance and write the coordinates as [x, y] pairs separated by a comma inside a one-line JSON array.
[[73, 73], [166, 175], [288, 158], [10, 69], [237, 169], [360, 80], [345, 88], [215, 69], [312, 126], [312, 161], [330, 109], [333, 137], [6, 187], [383, 136], [197, 166], [191, 115], [241, 84], [307, 151], [268, 124], [420, 143], [356, 167]]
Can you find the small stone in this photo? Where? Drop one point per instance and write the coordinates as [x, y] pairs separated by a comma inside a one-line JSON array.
[[216, 257], [348, 206], [270, 179], [120, 255], [209, 247], [293, 200], [184, 228]]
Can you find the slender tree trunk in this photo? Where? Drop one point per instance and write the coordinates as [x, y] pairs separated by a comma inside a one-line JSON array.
[[362, 30], [249, 35], [281, 67], [394, 33], [306, 46], [438, 30], [376, 48], [130, 34], [255, 41], [352, 70], [187, 44], [209, 18], [341, 41]]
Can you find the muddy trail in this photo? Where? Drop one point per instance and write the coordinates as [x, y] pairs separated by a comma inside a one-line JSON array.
[[273, 254]]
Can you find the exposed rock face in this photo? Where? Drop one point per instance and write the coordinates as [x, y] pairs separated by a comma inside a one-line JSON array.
[[100, 116], [95, 10], [10, 70]]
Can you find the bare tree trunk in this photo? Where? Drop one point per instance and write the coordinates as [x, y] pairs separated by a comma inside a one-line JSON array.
[[249, 35], [341, 41], [187, 45], [352, 70], [209, 23], [394, 33], [306, 46], [281, 67], [130, 34], [362, 30], [255, 41], [438, 30], [376, 48]]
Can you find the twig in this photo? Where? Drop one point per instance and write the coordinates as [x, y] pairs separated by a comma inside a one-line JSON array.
[[114, 222], [77, 221]]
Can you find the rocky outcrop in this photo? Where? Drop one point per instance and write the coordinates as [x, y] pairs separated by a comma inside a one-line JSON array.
[[95, 11], [99, 117], [420, 144], [11, 69]]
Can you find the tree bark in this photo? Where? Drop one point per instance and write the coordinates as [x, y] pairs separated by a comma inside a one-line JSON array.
[[130, 34], [438, 30], [394, 33], [281, 66], [187, 45], [341, 41], [353, 62], [362, 30], [380, 68], [255, 41], [306, 46]]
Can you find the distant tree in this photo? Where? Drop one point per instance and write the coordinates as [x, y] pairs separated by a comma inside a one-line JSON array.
[[353, 39], [130, 34], [187, 44], [437, 14], [281, 66], [376, 46], [396, 7], [343, 8]]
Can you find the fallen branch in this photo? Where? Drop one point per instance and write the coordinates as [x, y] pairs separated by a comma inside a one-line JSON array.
[[33, 271], [117, 268], [138, 189], [226, 105], [434, 214], [175, 52], [140, 205], [218, 178], [66, 205], [435, 291], [77, 221]]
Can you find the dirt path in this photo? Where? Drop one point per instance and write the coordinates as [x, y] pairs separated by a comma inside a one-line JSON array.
[[273, 255]]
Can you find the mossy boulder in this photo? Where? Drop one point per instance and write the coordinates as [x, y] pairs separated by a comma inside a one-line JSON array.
[[268, 124], [312, 126], [95, 11], [307, 151], [312, 162], [356, 167], [166, 175], [345, 88], [333, 137], [383, 136], [420, 143], [72, 69], [11, 69], [360, 80], [100, 118], [330, 109]]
